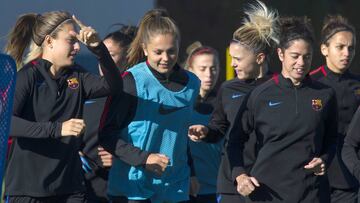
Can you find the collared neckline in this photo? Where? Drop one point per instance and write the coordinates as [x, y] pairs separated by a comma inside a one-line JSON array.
[[45, 65], [162, 77], [286, 82], [335, 76]]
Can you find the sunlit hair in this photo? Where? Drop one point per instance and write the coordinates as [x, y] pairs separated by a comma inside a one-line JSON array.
[[30, 31], [197, 49], [259, 31], [154, 22]]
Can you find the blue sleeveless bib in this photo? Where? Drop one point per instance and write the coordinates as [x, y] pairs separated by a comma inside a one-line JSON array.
[[160, 125]]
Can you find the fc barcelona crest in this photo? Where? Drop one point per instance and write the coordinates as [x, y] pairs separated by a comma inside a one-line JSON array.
[[73, 83], [316, 104]]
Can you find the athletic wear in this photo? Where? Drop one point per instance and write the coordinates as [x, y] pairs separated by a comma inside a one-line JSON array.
[[350, 149], [206, 156], [292, 125], [347, 89], [70, 198], [228, 101], [41, 162], [7, 91], [208, 198], [155, 128], [97, 176], [123, 108]]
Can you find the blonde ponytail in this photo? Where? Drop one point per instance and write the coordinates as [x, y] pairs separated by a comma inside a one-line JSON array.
[[260, 28]]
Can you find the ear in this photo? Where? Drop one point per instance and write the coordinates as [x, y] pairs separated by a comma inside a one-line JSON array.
[[324, 50], [280, 54], [48, 41], [260, 58], [144, 49]]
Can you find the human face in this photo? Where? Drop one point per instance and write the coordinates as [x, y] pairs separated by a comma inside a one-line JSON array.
[[244, 61], [339, 51], [296, 60], [64, 47], [117, 52], [204, 66], [162, 52]]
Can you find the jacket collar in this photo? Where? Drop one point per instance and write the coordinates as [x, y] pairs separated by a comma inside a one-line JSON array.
[[335, 76], [286, 82], [43, 66]]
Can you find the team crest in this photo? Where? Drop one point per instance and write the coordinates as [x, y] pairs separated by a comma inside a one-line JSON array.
[[73, 83], [316, 104]]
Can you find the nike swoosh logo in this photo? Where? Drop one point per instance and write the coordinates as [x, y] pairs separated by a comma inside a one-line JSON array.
[[271, 104], [89, 101], [165, 111], [236, 96]]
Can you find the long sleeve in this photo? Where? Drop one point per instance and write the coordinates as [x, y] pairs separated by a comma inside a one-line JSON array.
[[238, 136], [219, 123], [351, 146], [24, 128], [331, 132], [118, 113], [111, 83], [21, 127]]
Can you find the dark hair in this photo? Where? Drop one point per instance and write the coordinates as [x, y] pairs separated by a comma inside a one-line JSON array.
[[294, 28], [124, 36], [32, 29], [334, 24], [155, 21]]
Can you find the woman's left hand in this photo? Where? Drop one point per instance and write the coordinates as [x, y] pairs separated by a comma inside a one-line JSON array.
[[106, 157], [87, 35], [316, 165]]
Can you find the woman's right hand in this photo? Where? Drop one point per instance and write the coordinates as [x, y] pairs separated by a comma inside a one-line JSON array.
[[87, 35], [197, 132], [246, 184], [156, 163], [72, 127]]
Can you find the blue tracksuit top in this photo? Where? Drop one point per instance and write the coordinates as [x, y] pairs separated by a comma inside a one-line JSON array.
[[160, 125]]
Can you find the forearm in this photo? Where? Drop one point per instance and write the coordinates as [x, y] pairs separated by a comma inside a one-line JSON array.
[[111, 73], [351, 160], [123, 150], [24, 128], [235, 152], [214, 135]]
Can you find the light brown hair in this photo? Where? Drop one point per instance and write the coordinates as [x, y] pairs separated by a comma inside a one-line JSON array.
[[30, 31], [156, 21]]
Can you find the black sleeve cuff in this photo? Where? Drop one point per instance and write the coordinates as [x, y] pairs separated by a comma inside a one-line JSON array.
[[236, 171], [56, 132]]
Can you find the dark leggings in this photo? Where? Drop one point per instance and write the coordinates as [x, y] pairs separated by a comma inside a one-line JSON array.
[[125, 200], [208, 198], [72, 198], [231, 198]]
